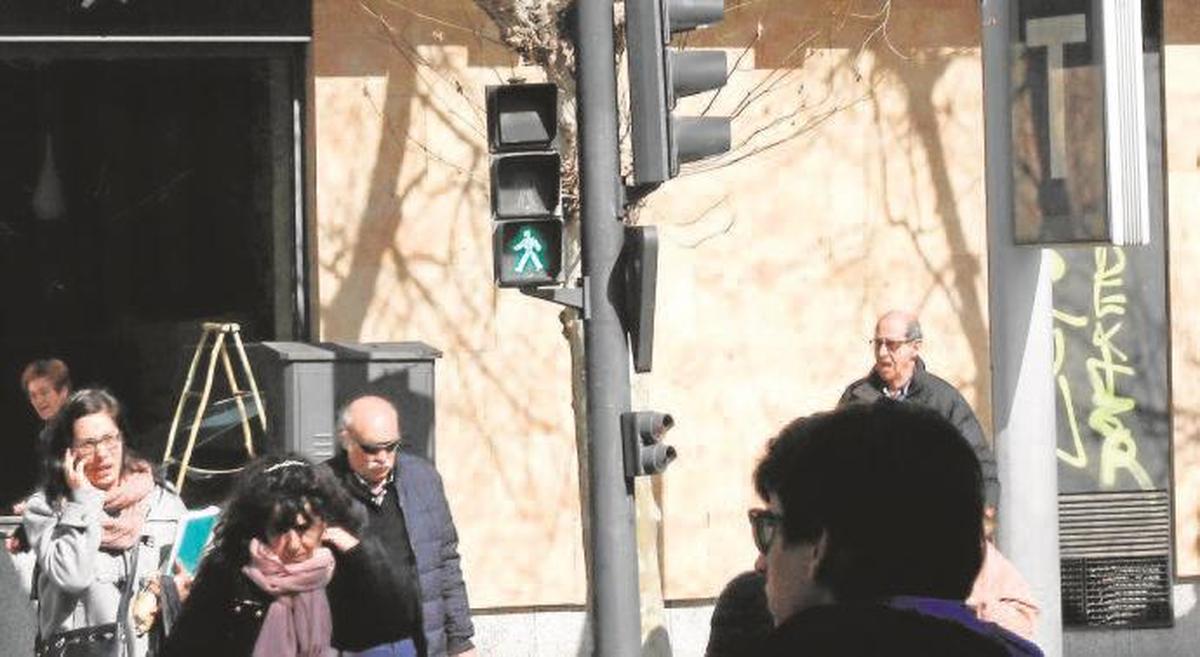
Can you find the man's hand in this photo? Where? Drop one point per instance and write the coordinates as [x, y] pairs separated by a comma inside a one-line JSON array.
[[73, 471], [468, 653], [341, 540]]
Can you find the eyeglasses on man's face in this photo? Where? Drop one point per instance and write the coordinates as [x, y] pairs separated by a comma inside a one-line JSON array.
[[86, 447], [374, 448], [891, 345], [764, 525]]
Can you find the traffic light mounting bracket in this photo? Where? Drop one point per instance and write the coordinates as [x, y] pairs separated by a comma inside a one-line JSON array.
[[571, 297]]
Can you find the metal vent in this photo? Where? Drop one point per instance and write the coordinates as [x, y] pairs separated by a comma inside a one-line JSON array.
[[1116, 554]]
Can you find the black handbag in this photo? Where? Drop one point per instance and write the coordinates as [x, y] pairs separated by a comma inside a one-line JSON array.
[[96, 640]]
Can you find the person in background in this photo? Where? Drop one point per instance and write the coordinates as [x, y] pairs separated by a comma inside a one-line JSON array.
[[103, 517], [1000, 593], [740, 620], [871, 537], [47, 383], [408, 515]]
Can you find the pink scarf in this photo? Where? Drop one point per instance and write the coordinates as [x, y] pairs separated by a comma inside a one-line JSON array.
[[126, 504], [298, 622]]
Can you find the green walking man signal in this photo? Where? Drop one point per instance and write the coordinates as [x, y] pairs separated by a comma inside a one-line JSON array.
[[525, 184]]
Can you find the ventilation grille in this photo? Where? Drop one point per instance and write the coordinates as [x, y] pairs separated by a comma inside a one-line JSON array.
[[1116, 553]]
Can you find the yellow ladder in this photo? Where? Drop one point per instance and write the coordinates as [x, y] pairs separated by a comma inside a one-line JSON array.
[[221, 334]]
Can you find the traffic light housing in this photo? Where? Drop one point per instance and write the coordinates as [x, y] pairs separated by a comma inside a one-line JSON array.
[[639, 266], [526, 181], [659, 75], [642, 433]]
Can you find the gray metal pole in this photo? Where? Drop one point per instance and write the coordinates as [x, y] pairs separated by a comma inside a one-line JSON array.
[[1019, 303], [615, 602]]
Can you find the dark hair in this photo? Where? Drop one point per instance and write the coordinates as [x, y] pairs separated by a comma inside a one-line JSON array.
[[897, 491], [82, 403], [268, 496], [49, 368]]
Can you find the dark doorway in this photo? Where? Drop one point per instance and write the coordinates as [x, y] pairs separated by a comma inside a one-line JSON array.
[[140, 195]]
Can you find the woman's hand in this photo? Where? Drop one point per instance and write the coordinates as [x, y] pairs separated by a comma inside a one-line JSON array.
[[73, 471], [341, 540], [183, 582]]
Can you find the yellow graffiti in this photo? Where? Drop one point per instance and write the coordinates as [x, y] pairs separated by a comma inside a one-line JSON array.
[[1119, 450]]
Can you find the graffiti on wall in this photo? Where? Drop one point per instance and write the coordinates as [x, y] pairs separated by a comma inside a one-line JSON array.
[[1104, 375], [1108, 373]]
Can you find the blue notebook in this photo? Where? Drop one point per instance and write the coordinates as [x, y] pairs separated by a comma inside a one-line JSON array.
[[192, 538]]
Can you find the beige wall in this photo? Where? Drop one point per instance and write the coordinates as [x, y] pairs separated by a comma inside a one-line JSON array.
[[772, 269], [1182, 73]]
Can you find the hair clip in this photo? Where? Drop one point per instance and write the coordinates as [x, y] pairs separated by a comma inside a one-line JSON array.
[[284, 464]]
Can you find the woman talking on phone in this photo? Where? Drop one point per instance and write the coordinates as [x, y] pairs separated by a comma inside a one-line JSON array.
[[97, 529], [286, 575]]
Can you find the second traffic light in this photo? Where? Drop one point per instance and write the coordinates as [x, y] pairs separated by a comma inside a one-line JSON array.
[[522, 121], [659, 75]]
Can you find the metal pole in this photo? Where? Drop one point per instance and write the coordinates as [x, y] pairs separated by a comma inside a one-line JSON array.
[[615, 603], [1020, 309]]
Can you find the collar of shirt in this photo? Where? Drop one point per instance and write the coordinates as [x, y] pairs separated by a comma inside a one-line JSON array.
[[377, 492], [897, 395]]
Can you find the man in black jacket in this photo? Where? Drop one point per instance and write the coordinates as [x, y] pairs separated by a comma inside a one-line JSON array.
[[847, 578], [408, 515], [899, 374]]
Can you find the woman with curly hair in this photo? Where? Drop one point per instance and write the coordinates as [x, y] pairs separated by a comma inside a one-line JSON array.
[[286, 575], [100, 523]]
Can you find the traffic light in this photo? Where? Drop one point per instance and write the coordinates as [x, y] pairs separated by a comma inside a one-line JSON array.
[[642, 433], [639, 264], [527, 225], [659, 75]]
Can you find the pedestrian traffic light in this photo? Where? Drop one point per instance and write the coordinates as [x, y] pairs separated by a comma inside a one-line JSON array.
[[659, 75], [522, 123], [642, 433]]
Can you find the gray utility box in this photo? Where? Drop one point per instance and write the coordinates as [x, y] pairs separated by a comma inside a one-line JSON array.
[[304, 385]]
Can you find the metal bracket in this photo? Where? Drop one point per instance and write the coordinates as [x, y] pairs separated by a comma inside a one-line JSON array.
[[631, 195], [571, 297]]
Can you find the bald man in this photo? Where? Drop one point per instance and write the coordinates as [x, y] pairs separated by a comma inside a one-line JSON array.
[[407, 513], [899, 374]]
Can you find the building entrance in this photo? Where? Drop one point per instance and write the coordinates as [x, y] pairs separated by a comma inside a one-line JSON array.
[[145, 188]]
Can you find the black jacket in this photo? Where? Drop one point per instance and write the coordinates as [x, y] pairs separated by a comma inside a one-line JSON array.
[[932, 392], [445, 612], [881, 631], [225, 610]]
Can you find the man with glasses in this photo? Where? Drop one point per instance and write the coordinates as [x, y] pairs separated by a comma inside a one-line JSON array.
[[899, 374], [844, 578], [408, 514]]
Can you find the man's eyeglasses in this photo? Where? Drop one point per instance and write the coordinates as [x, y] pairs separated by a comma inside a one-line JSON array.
[[764, 524], [372, 449], [892, 345], [88, 446]]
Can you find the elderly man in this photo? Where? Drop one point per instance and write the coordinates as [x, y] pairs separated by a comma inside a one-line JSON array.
[[407, 512], [843, 579], [1000, 593], [899, 374]]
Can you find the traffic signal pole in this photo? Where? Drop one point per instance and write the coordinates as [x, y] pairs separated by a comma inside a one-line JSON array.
[[616, 611]]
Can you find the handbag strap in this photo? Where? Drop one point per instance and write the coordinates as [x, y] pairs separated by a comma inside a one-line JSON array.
[[126, 597]]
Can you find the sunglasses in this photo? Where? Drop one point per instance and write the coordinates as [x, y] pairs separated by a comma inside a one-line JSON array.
[[764, 524], [375, 448]]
